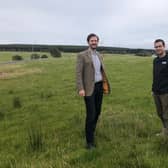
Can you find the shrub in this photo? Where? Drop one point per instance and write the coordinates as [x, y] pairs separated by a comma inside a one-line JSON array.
[[17, 58], [55, 52], [35, 56], [16, 102], [10, 91], [2, 114], [44, 56]]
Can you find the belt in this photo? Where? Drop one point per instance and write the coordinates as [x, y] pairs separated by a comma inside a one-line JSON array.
[[99, 82]]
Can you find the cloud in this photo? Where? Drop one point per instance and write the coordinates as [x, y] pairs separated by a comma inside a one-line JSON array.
[[137, 23], [125, 23]]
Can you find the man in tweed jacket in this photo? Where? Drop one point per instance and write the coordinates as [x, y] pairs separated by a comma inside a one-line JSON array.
[[91, 81]]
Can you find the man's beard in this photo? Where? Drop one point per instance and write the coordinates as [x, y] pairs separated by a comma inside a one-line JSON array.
[[93, 47]]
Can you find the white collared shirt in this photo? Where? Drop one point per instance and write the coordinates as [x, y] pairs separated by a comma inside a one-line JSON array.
[[97, 66]]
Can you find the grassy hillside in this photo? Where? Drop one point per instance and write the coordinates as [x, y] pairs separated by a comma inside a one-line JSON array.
[[42, 118]]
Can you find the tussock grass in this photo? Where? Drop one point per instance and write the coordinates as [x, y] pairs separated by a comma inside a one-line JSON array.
[[47, 131], [35, 139], [17, 102]]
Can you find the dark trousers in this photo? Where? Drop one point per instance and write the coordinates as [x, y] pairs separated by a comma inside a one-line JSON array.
[[161, 102], [93, 109]]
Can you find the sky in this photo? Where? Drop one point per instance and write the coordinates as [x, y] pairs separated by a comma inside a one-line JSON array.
[[118, 23]]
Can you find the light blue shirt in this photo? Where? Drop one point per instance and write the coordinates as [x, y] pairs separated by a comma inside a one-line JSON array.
[[97, 67]]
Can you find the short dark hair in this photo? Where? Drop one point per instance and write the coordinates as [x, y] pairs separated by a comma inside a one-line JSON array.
[[92, 35], [160, 40]]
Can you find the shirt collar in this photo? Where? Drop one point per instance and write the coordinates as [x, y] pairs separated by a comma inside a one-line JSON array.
[[93, 52], [162, 57]]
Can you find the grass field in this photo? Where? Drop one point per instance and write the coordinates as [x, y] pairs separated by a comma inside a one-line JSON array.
[[42, 118]]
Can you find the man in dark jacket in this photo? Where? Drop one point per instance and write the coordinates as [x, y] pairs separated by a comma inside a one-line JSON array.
[[160, 83]]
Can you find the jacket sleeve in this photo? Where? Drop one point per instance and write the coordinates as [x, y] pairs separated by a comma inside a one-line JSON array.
[[79, 72], [153, 75]]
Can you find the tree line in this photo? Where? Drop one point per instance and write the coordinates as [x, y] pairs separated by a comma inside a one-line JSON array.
[[73, 48]]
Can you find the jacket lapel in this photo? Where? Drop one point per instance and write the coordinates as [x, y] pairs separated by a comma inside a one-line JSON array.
[[90, 57], [99, 56], [90, 54]]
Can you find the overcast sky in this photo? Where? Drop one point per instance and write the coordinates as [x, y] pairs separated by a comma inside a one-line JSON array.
[[122, 23]]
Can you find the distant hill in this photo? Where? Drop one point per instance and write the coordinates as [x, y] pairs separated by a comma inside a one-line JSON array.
[[73, 48]]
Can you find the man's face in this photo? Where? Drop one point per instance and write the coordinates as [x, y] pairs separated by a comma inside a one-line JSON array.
[[93, 42], [159, 48]]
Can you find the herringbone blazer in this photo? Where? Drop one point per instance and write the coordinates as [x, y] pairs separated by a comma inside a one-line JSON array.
[[85, 73]]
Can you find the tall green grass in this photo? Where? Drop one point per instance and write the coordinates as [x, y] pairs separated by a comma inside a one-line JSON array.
[[42, 118]]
